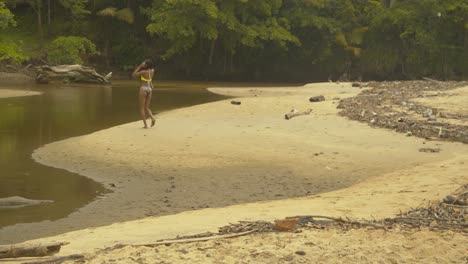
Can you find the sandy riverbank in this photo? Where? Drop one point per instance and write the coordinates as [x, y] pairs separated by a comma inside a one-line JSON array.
[[220, 154], [6, 93]]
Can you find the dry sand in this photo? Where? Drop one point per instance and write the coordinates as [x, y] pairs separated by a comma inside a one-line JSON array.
[[310, 246], [6, 93], [220, 154]]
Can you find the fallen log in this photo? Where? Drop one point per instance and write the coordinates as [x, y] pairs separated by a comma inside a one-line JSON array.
[[30, 250], [18, 201], [70, 73], [295, 113]]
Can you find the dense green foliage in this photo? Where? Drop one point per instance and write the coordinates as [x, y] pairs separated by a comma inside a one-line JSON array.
[[233, 23], [70, 50], [287, 40], [10, 52], [415, 38], [6, 17], [76, 7]]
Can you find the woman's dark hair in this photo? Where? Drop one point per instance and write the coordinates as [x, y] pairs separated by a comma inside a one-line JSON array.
[[149, 64]]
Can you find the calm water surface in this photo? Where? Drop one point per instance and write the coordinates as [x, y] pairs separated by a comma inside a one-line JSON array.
[[64, 111]]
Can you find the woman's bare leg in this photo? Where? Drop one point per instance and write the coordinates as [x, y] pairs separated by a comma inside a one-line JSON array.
[[148, 110], [142, 97]]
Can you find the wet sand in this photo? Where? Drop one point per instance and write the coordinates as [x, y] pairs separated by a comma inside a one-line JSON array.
[[219, 154]]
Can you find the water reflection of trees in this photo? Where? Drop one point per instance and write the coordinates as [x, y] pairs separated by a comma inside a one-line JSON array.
[[27, 123], [10, 114], [63, 111], [75, 109]]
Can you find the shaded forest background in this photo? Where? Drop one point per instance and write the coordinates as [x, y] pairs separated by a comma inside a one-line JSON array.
[[243, 40]]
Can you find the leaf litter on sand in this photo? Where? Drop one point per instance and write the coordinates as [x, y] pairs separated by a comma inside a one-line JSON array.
[[391, 105]]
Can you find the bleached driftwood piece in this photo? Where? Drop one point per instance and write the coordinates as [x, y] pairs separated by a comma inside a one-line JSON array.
[[70, 73], [30, 250], [295, 113], [18, 201]]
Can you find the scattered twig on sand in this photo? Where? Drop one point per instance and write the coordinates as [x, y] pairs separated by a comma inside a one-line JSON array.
[[454, 205], [57, 260], [242, 226], [432, 216], [337, 220], [441, 215], [429, 150], [189, 240], [391, 105]]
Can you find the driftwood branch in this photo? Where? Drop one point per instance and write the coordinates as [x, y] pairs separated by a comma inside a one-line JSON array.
[[295, 113], [429, 79], [56, 260], [25, 68], [70, 73], [190, 240], [32, 250]]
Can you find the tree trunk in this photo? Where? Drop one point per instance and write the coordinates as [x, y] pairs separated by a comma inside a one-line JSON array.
[[106, 51], [48, 14], [465, 48], [39, 22], [388, 3], [231, 66], [225, 61], [213, 44]]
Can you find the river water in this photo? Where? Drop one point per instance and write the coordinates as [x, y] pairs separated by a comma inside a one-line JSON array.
[[60, 112]]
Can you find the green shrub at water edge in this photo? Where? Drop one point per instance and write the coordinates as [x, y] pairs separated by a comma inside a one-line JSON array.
[[10, 52], [70, 50]]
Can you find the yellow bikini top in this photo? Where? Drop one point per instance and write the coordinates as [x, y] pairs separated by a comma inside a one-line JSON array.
[[144, 79]]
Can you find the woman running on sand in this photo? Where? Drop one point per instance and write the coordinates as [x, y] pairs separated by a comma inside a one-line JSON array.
[[146, 72]]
